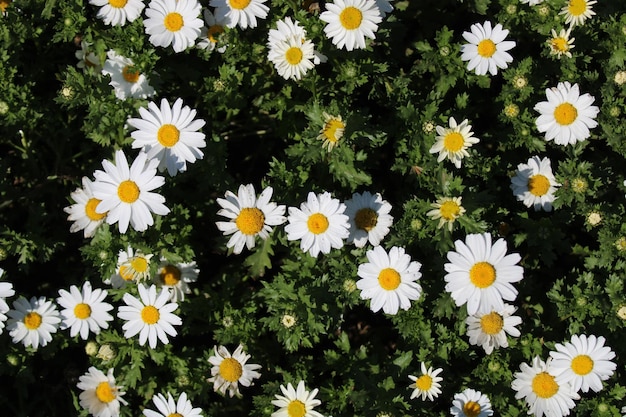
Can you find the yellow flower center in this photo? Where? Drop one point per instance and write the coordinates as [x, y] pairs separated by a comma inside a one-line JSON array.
[[104, 392], [389, 279], [366, 219], [170, 275], [150, 314], [82, 311], [317, 223], [565, 114], [486, 48], [126, 273], [139, 264], [130, 74], [90, 210], [213, 31], [350, 18], [175, 415], [239, 4], [296, 408], [250, 220], [231, 370], [559, 44], [471, 409], [32, 320], [453, 142], [173, 22], [482, 274], [424, 382], [582, 364], [118, 4], [168, 135], [294, 55], [128, 191], [449, 210], [577, 7], [333, 130], [491, 323], [544, 385], [538, 185]]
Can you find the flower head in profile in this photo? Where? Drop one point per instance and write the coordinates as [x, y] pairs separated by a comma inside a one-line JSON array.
[[228, 371], [84, 310], [210, 33], [118, 12], [177, 277], [452, 142], [32, 322], [332, 131], [471, 403], [126, 78], [296, 402], [369, 218], [534, 184], [87, 58], [349, 22], [242, 13], [83, 212], [173, 22], [561, 44], [487, 49], [578, 11], [447, 210], [100, 395], [6, 290], [427, 385], [489, 329], [168, 407]]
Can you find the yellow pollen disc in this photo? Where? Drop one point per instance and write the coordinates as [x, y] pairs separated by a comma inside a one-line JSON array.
[[424, 382], [175, 415], [471, 409], [82, 311], [130, 74], [389, 279], [366, 219], [296, 408], [250, 220], [239, 4], [118, 4], [350, 18], [544, 385], [449, 210], [32, 320], [294, 55], [317, 223], [104, 392], [560, 44], [126, 273], [565, 114], [150, 314], [486, 48], [90, 210], [139, 264], [170, 275], [231, 370], [128, 191], [491, 323], [577, 7], [168, 135], [173, 22], [582, 364], [482, 274], [333, 130], [453, 142], [538, 185], [213, 31]]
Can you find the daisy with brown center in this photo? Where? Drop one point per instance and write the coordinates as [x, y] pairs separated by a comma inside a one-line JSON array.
[[452, 142], [127, 79], [100, 395], [447, 210], [534, 184], [489, 329], [332, 131], [297, 402], [173, 22], [487, 49], [118, 12], [427, 385], [242, 13], [177, 277], [349, 22], [471, 403], [578, 11], [561, 44], [229, 371], [84, 310], [83, 212], [369, 218], [33, 321]]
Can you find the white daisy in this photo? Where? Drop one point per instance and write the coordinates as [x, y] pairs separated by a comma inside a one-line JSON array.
[[169, 408], [84, 310], [6, 290], [296, 402], [132, 266], [87, 58], [100, 396], [169, 134], [369, 218], [349, 22], [173, 22], [151, 316], [534, 184], [249, 216], [83, 211], [240, 12], [177, 277], [447, 210], [228, 371], [452, 142], [126, 79], [567, 116], [332, 131], [487, 49], [210, 33], [118, 12], [489, 328], [126, 192], [33, 322], [481, 274], [531, 2], [471, 403], [292, 57], [389, 279], [320, 223], [427, 385], [584, 362], [578, 11], [543, 394], [560, 44]]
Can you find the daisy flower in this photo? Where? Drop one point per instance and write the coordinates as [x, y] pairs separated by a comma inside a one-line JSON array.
[[489, 329], [296, 402], [286, 28], [427, 384], [6, 290], [177, 277], [561, 44], [126, 79], [250, 216], [240, 12], [487, 49], [168, 407], [173, 22], [126, 192], [389, 279], [100, 396], [132, 266], [349, 22], [538, 386], [118, 12], [84, 310], [210, 33], [578, 11], [369, 218], [481, 274], [169, 134], [567, 116], [320, 223], [584, 362], [332, 131], [471, 403], [33, 322], [531, 2], [228, 371], [452, 142], [534, 184], [292, 57], [87, 58], [447, 210], [151, 316], [83, 212]]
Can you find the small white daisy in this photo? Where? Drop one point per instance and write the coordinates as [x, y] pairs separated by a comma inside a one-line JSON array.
[[389, 279], [531, 2], [567, 116], [177, 278], [87, 58], [452, 142], [83, 212], [332, 131], [427, 385], [100, 396], [132, 266], [118, 12], [471, 403], [578, 11], [292, 57], [240, 12], [447, 210], [296, 402], [489, 329], [369, 218], [173, 22], [151, 316], [561, 44], [534, 184], [33, 322], [320, 223], [481, 274], [210, 33], [228, 371], [349, 22], [584, 362], [84, 310], [126, 79], [249, 215], [487, 49], [169, 408], [126, 192]]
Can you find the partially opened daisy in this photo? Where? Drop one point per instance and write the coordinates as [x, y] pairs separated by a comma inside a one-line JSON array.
[[242, 13], [369, 218], [84, 310], [173, 22], [332, 131], [389, 279], [250, 216], [489, 329], [100, 395], [127, 79], [83, 212], [584, 362], [177, 277], [534, 184], [228, 371], [578, 11], [487, 49], [427, 385], [567, 116], [320, 224], [32, 322], [126, 193], [480, 274], [169, 134], [118, 12], [210, 33], [168, 407], [349, 22], [561, 43], [87, 58], [452, 142], [471, 403], [296, 402], [151, 316], [447, 210]]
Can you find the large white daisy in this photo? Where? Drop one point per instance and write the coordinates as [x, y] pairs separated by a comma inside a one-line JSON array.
[[240, 12], [427, 385], [177, 277], [489, 329], [169, 408], [33, 321], [173, 22], [349, 22], [296, 402], [118, 12], [126, 78], [84, 310], [100, 395], [534, 184], [471, 403], [83, 211], [228, 371], [487, 49], [369, 218], [578, 11], [452, 142]]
